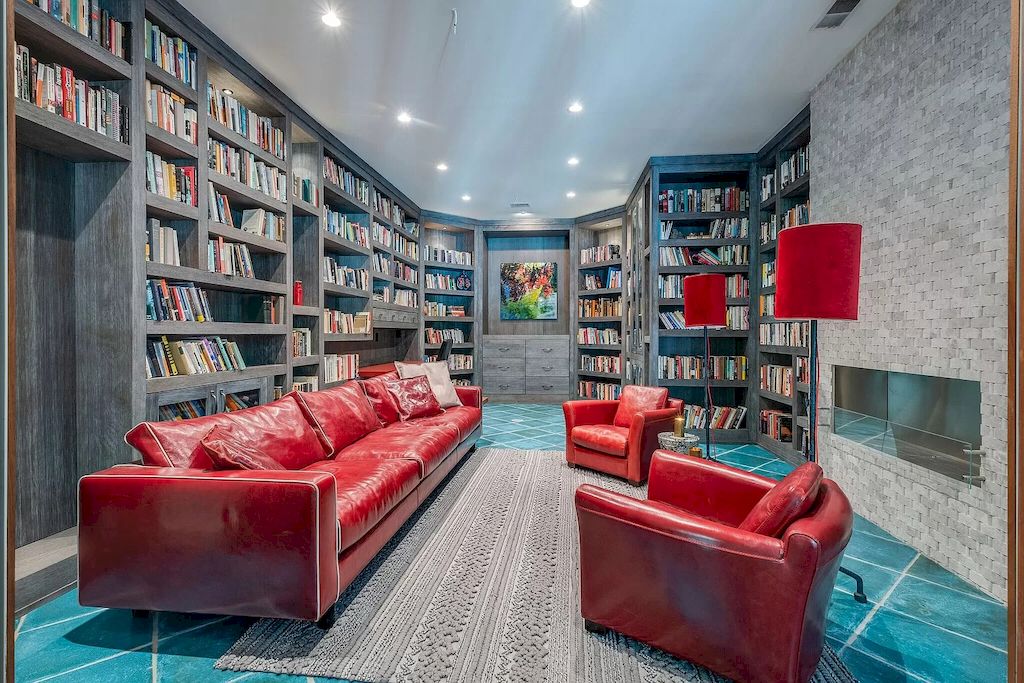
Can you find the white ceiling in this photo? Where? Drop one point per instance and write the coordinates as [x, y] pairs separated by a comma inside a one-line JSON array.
[[656, 78]]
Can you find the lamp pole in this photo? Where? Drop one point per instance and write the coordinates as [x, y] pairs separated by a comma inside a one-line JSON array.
[[707, 393]]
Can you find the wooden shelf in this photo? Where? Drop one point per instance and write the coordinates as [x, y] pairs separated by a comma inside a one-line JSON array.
[[784, 350], [243, 196], [804, 388], [307, 311], [767, 246], [599, 347], [604, 375], [255, 242], [769, 203], [448, 319], [462, 346], [768, 290], [728, 302], [51, 40], [802, 422], [699, 332], [796, 188], [464, 371], [600, 292], [467, 293], [159, 384], [54, 134], [704, 216], [448, 266], [393, 307], [601, 319], [157, 75], [408, 260], [778, 398], [221, 132], [230, 283], [332, 289], [601, 264], [688, 270], [706, 242], [340, 245], [305, 208], [715, 383], [168, 145], [351, 337], [179, 328], [398, 282], [171, 209], [304, 361], [349, 203]]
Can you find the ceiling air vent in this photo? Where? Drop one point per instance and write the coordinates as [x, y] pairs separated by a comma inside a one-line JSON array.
[[837, 13], [520, 206]]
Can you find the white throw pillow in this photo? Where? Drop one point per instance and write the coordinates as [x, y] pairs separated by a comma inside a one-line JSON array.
[[438, 376]]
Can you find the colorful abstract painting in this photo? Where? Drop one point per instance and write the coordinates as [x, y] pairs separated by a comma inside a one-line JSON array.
[[529, 291]]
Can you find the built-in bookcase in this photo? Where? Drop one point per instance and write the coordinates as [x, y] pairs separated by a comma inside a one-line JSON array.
[[451, 297]]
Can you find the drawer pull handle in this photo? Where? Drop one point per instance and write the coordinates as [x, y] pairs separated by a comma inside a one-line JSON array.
[[503, 386], [547, 387], [547, 368], [504, 348], [504, 367], [547, 350]]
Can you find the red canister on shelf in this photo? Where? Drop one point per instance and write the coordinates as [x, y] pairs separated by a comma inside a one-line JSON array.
[[297, 293]]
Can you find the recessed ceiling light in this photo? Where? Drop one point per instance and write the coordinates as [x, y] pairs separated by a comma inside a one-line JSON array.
[[573, 161], [576, 107], [522, 213], [332, 19], [580, 3], [404, 117], [466, 197], [228, 91], [570, 194], [442, 166]]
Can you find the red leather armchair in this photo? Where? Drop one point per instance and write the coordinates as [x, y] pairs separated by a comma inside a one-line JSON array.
[[618, 437], [676, 572]]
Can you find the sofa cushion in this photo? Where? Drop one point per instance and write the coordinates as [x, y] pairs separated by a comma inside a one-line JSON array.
[[368, 489], [439, 376], [787, 502], [607, 439], [638, 399], [339, 416], [426, 445], [465, 418], [228, 453], [278, 429], [414, 398], [382, 401]]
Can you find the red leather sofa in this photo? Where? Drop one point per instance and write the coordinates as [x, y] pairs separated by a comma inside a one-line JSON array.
[[618, 437], [173, 534], [718, 566]]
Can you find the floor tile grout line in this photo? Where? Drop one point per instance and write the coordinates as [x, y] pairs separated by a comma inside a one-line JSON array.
[[982, 597], [62, 621], [17, 628], [947, 630], [878, 605], [155, 639], [891, 665]]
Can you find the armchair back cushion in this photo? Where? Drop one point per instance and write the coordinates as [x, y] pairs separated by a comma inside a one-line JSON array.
[[278, 429], [414, 398], [637, 399], [382, 401], [227, 453], [339, 416], [787, 502]]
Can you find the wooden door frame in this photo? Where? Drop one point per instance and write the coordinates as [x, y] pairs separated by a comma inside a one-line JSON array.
[[1015, 363]]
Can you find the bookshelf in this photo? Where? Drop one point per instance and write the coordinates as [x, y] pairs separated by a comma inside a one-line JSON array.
[[783, 192]]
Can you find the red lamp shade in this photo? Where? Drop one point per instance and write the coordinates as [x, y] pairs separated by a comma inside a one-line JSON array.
[[704, 300], [817, 272]]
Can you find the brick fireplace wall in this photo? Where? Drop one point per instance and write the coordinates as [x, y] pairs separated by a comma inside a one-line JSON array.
[[910, 136]]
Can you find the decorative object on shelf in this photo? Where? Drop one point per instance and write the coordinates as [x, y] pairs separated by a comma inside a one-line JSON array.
[[704, 306], [529, 291], [464, 283], [297, 293]]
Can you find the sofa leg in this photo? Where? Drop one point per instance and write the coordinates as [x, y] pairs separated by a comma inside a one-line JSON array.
[[140, 613], [571, 465], [594, 627], [325, 622], [637, 484]]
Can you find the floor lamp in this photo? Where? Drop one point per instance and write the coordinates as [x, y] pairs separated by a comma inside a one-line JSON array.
[[704, 306], [817, 277]]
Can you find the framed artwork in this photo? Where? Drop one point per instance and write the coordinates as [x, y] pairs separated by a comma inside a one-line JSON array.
[[529, 291]]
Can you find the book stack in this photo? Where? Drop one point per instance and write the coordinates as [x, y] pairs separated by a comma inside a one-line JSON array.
[[798, 215], [602, 391], [614, 277], [169, 111], [259, 130], [458, 258], [692, 367], [459, 361], [737, 317], [302, 342], [338, 274], [306, 189], [337, 322], [737, 287], [437, 336], [609, 364], [199, 356], [344, 226], [672, 320], [233, 402], [768, 274], [383, 234], [770, 229], [784, 334], [53, 87], [599, 308], [346, 180], [722, 417], [720, 228], [670, 286], [462, 382], [306, 383], [87, 18], [161, 243], [594, 335], [402, 271], [383, 205], [767, 305], [777, 425], [183, 410], [229, 258], [438, 309], [244, 167], [340, 367], [381, 292], [703, 200], [170, 53], [606, 252], [767, 186], [777, 379], [446, 281], [263, 223], [803, 370], [171, 181], [793, 168], [180, 301]]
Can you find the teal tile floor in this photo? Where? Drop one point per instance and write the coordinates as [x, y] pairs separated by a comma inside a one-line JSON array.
[[921, 623]]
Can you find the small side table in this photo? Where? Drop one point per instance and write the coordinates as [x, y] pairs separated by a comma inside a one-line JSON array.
[[680, 444]]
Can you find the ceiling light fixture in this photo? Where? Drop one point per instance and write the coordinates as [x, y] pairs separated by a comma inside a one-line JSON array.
[[570, 194], [580, 4], [573, 161], [228, 91], [466, 197], [332, 19], [404, 117], [576, 107], [522, 213], [442, 166]]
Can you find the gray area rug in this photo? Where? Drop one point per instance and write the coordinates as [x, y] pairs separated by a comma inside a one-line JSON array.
[[481, 585]]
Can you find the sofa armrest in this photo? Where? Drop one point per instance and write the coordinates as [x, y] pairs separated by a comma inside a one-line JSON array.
[[470, 396], [241, 542], [705, 488], [588, 412], [643, 440]]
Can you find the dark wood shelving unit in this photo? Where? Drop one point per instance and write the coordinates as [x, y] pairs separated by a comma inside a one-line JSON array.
[[454, 239]]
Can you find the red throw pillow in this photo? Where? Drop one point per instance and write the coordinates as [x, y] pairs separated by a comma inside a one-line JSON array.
[[381, 400], [637, 399], [339, 416], [787, 502], [414, 397], [228, 453]]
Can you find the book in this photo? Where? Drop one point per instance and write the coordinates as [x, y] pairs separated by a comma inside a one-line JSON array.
[[452, 256], [603, 391], [176, 301], [340, 367], [170, 180], [257, 129], [161, 243], [346, 226], [89, 19], [170, 111], [338, 274], [193, 356], [703, 200], [243, 166], [607, 252], [692, 367], [171, 53], [349, 182]]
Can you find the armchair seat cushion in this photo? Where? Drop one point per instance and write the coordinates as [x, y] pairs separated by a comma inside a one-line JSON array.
[[464, 418], [368, 489], [426, 445], [607, 439]]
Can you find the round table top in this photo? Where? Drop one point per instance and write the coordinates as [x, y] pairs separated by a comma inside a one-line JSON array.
[[679, 444]]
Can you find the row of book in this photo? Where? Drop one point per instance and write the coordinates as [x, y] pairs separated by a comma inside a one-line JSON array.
[[609, 364], [777, 424], [244, 167], [692, 367], [794, 167], [386, 206], [169, 111], [729, 255], [593, 281], [229, 258], [55, 88], [161, 243], [451, 283], [170, 180], [603, 391], [302, 342], [767, 305], [599, 308], [671, 286], [438, 309], [439, 255], [382, 292], [87, 18], [182, 410], [595, 335], [770, 229], [718, 229], [605, 252], [339, 274], [179, 301], [768, 274], [342, 225], [261, 222], [703, 200], [382, 263], [784, 334], [736, 318], [172, 54], [259, 130], [340, 366], [722, 417], [234, 401], [311, 383], [392, 239], [768, 185], [777, 379], [798, 215], [198, 356], [407, 297], [305, 189], [346, 180], [459, 361], [433, 335], [338, 322], [803, 370]]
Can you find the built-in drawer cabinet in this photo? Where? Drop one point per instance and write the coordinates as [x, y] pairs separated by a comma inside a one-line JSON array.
[[394, 318], [503, 347], [556, 386], [502, 386], [504, 367], [536, 367], [547, 348]]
